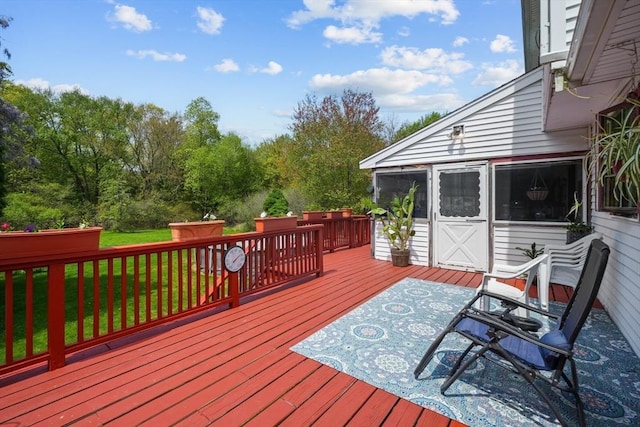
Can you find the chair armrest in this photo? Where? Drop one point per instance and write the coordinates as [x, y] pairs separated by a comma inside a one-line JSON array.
[[513, 271], [515, 303]]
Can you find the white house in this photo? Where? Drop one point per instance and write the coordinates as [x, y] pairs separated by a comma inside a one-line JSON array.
[[503, 171]]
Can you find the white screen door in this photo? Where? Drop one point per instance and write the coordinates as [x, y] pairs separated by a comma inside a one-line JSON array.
[[461, 233]]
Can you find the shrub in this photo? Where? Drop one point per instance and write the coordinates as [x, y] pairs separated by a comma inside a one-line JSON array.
[[276, 204]]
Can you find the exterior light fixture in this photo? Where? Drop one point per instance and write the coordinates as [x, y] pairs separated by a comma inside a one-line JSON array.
[[457, 132]]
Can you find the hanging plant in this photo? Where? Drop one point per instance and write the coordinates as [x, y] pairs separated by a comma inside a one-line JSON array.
[[615, 152]]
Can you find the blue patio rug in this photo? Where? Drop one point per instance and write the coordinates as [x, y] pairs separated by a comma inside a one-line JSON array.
[[382, 341]]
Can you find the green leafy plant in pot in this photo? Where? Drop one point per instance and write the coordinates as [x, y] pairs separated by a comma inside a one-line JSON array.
[[398, 225], [615, 151]]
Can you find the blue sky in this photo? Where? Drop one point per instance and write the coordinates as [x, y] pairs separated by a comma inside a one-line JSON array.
[[255, 60]]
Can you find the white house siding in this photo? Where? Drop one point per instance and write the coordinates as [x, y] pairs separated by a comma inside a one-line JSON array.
[[419, 246], [620, 289], [505, 123], [506, 238], [558, 21]]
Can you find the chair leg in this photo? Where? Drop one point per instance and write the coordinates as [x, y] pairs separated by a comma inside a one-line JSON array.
[[459, 368], [430, 352], [576, 393]]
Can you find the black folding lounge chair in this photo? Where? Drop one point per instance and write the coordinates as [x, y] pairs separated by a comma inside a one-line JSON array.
[[521, 351]]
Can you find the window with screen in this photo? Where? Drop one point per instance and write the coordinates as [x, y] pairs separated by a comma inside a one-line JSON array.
[[392, 184], [536, 191]]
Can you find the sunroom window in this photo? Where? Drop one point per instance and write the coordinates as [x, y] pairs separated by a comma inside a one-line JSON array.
[[392, 184], [542, 192]]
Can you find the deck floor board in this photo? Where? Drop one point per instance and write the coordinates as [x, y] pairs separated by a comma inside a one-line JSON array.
[[231, 367]]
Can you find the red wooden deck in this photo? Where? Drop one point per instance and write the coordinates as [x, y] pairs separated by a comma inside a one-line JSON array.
[[230, 368]]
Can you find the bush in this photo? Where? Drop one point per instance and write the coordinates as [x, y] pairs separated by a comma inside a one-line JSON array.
[[275, 204]]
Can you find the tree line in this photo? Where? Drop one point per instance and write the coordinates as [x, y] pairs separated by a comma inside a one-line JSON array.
[[69, 158]]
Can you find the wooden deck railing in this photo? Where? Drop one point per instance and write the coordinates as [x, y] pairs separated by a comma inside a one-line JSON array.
[[56, 305], [346, 232]]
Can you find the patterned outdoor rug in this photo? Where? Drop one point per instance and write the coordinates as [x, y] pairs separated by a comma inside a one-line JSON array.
[[382, 341]]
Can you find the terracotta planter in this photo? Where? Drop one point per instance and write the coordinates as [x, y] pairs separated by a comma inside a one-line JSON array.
[[312, 215], [264, 225], [347, 212], [181, 231], [19, 244], [334, 214]]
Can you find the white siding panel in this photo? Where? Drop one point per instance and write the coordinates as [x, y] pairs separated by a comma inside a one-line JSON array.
[[620, 291], [506, 238], [419, 245], [508, 128]]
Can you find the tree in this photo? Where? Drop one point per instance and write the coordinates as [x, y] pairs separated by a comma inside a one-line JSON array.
[[331, 136], [155, 137], [10, 118], [223, 173], [409, 128], [201, 123], [275, 157]]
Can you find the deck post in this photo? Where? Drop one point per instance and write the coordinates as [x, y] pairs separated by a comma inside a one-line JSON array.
[[56, 315], [233, 289]]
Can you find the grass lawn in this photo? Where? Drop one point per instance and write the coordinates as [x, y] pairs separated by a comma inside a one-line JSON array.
[[120, 315], [113, 238]]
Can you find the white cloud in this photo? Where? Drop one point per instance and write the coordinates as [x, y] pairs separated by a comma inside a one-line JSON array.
[[273, 68], [460, 41], [41, 84], [378, 81], [496, 75], [351, 35], [422, 103], [157, 56], [434, 60], [367, 14], [502, 43], [404, 32], [130, 19], [282, 113], [226, 66], [210, 21]]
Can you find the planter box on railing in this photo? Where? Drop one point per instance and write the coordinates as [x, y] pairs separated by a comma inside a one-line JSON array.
[[20, 244], [265, 225], [181, 231], [311, 215]]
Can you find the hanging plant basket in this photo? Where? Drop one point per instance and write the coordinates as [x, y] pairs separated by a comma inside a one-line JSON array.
[[537, 194], [537, 189]]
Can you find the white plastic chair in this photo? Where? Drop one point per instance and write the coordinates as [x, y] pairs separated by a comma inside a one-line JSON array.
[[535, 268], [565, 262]]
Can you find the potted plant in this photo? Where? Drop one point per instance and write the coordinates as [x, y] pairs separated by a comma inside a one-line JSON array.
[[276, 215], [531, 252], [398, 225], [615, 151], [576, 229]]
